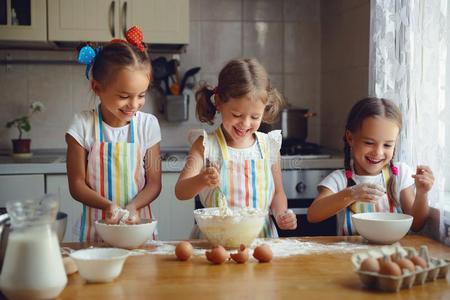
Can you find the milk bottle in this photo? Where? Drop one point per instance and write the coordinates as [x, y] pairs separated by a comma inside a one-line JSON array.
[[33, 267]]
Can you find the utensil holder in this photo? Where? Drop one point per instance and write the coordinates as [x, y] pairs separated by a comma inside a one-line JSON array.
[[176, 108]]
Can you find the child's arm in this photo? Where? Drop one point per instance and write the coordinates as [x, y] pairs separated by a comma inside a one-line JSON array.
[[152, 188], [328, 204], [417, 206], [76, 173], [194, 178], [285, 220]]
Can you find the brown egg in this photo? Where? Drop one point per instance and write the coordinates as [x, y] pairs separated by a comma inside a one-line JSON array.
[[370, 264], [217, 255], [183, 251], [419, 261], [263, 253], [241, 256], [404, 263], [387, 267]]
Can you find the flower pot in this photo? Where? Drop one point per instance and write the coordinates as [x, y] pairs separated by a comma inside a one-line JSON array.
[[21, 145]]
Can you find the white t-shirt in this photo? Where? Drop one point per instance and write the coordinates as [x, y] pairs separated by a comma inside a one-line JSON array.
[[147, 130], [336, 182], [273, 140]]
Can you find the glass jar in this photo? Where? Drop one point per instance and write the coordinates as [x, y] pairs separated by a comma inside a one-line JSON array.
[[33, 267]]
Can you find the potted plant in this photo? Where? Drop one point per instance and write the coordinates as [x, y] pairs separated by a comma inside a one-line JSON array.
[[21, 147]]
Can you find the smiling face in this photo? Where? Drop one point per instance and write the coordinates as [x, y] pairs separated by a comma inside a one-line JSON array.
[[241, 118], [123, 96], [373, 144]]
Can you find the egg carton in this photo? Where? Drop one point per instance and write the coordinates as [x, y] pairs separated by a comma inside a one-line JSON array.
[[437, 268]]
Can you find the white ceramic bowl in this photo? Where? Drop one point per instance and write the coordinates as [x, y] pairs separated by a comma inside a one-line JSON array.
[[100, 264], [382, 228], [230, 231], [124, 235]]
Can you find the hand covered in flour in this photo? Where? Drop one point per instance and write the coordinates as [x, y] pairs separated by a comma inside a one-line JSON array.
[[113, 214], [286, 220], [210, 175], [366, 192], [133, 217], [424, 179]]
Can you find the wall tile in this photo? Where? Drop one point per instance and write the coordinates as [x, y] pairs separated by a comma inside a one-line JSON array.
[[262, 10], [221, 42], [219, 10], [264, 41], [302, 10], [302, 46]]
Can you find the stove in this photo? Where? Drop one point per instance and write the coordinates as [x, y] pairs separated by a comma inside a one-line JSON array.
[[297, 149]]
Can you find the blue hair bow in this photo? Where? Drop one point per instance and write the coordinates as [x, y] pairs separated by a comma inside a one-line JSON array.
[[86, 56]]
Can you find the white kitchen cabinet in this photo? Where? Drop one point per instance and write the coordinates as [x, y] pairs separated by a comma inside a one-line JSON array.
[[175, 218], [21, 187], [162, 21], [57, 184], [23, 20]]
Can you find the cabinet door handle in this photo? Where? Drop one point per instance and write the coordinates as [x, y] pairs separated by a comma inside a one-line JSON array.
[[112, 14], [124, 18]]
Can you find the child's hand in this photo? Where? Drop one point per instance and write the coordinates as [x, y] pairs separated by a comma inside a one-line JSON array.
[[424, 179], [113, 215], [134, 217], [286, 220], [366, 192], [210, 176]]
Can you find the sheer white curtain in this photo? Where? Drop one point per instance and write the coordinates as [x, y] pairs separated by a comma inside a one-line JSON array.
[[409, 65]]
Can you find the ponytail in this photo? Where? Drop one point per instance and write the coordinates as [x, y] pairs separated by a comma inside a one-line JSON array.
[[392, 184], [347, 165], [205, 108]]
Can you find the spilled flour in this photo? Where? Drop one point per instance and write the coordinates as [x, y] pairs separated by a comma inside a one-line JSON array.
[[280, 247]]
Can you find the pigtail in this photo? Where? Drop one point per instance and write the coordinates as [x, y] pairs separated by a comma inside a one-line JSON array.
[[347, 165], [275, 103], [392, 184], [205, 109]]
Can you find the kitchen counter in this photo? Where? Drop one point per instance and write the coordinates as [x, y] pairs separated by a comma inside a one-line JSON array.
[[316, 276]]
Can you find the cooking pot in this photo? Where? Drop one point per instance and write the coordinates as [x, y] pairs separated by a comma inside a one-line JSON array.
[[293, 123]]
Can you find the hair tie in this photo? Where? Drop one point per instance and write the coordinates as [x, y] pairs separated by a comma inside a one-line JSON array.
[[86, 56], [215, 91], [348, 174], [134, 37], [394, 170]]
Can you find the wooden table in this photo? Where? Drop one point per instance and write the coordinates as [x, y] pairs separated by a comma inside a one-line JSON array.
[[315, 276]]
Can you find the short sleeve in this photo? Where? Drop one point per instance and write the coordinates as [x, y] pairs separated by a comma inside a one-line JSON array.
[[405, 176], [149, 132], [81, 129], [274, 138], [335, 181]]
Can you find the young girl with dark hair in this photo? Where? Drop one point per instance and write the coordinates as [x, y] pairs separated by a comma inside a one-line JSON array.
[[371, 181]]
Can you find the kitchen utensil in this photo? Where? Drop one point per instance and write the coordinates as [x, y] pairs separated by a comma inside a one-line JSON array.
[[100, 264], [161, 72], [189, 73], [127, 236], [176, 108], [222, 199], [172, 67], [242, 226], [382, 228], [33, 266], [293, 123]]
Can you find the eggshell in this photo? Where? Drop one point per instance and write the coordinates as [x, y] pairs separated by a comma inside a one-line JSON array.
[[370, 264], [263, 253], [217, 255], [241, 256], [405, 263], [183, 251], [419, 261], [387, 267]]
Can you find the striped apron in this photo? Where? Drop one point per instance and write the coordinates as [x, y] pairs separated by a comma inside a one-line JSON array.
[[245, 184], [115, 171], [385, 204]]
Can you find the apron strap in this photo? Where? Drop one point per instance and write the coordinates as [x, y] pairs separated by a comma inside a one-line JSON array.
[[386, 177], [263, 147], [222, 143]]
